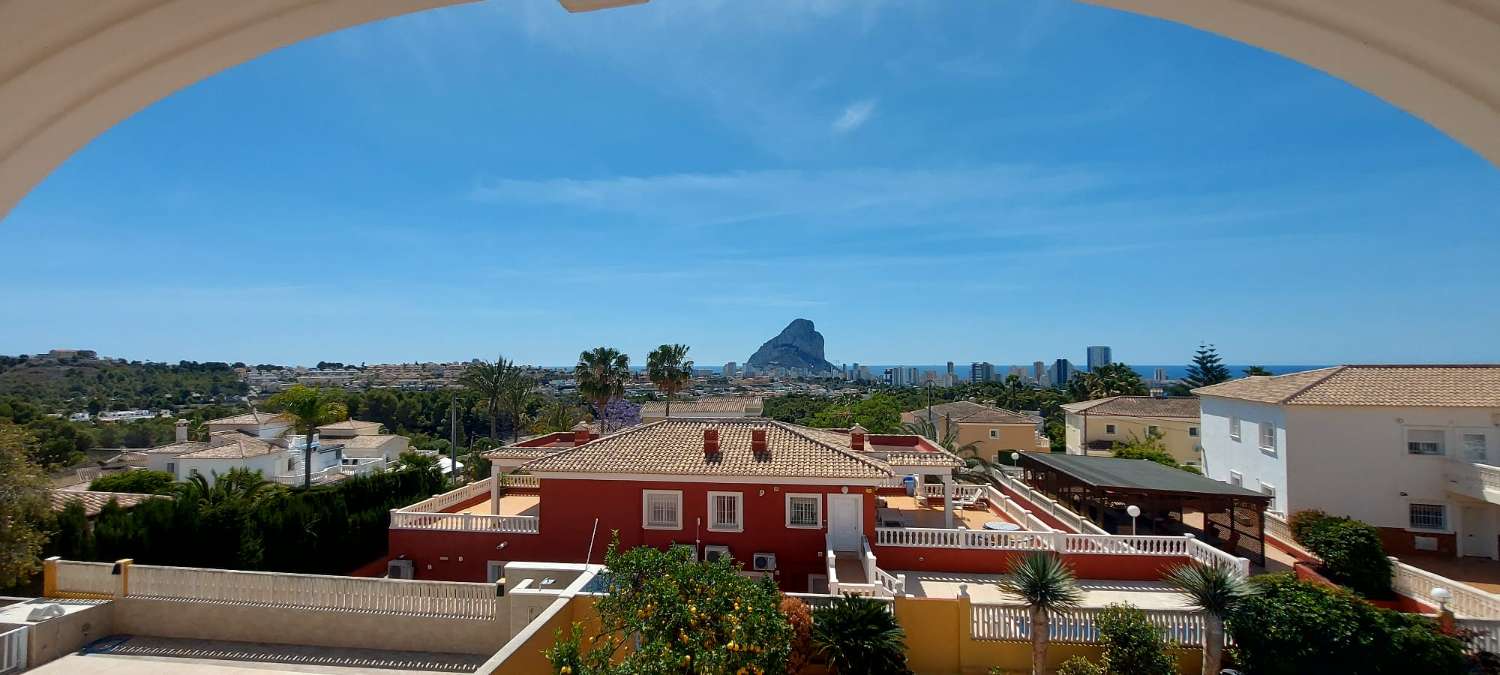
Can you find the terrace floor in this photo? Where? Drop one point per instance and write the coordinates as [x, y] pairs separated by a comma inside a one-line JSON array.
[[136, 655], [510, 505], [1096, 593], [913, 514], [1481, 573]]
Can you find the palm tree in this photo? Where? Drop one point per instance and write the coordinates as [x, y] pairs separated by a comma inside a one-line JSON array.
[[601, 373], [1013, 392], [1217, 591], [670, 370], [977, 468], [238, 485], [309, 409], [487, 382], [515, 394], [557, 416], [1046, 585], [949, 437], [859, 635]]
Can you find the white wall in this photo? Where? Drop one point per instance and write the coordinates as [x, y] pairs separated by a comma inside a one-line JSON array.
[[1354, 461], [270, 465], [1222, 454]]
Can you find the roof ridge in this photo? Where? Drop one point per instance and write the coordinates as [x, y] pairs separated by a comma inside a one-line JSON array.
[[845, 451], [1332, 370]]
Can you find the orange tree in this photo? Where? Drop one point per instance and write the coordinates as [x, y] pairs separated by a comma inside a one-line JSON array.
[[667, 613]]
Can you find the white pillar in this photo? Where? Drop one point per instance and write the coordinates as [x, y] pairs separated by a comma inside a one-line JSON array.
[[495, 473], [948, 501]]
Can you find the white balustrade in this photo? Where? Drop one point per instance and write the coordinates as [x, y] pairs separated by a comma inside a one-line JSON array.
[[447, 500], [1079, 625], [1048, 505], [1486, 634], [465, 522], [1466, 601], [1208, 555], [520, 480], [893, 585], [961, 492], [444, 599], [832, 568], [13, 645], [86, 578]]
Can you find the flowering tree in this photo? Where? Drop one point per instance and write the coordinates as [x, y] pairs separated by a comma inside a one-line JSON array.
[[619, 414], [667, 613]]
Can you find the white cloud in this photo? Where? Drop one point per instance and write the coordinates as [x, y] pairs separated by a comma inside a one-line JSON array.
[[855, 115]]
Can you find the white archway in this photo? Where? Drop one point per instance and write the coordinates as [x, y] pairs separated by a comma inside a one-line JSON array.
[[70, 69]]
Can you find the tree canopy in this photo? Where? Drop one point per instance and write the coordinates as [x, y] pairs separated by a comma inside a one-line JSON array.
[[1207, 368], [23, 508]]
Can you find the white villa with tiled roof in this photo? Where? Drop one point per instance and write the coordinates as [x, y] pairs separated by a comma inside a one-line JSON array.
[[1409, 449], [263, 442]]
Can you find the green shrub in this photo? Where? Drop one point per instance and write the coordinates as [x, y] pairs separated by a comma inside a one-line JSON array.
[[1302, 520], [142, 482], [1292, 627], [1132, 646], [859, 636], [1076, 665], [1351, 553]]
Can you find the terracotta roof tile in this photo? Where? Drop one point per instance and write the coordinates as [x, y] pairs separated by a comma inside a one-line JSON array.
[[93, 502], [704, 406], [675, 447], [1137, 406], [233, 445], [1455, 386]]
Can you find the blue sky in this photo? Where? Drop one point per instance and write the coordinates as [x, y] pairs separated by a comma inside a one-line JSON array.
[[1005, 181]]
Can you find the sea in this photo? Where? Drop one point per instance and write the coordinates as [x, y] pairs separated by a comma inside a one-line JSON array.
[[1147, 372]]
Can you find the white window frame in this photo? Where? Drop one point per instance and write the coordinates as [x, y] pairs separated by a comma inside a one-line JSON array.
[[1410, 525], [994, 433], [1269, 490], [1262, 428], [817, 510], [1236, 479], [1234, 428], [646, 496], [739, 512], [1442, 444]]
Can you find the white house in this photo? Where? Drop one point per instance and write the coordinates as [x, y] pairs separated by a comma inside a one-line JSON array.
[[1408, 449]]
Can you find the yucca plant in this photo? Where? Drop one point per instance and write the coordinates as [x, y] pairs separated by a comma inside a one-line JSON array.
[[1217, 591], [859, 635], [1046, 584]]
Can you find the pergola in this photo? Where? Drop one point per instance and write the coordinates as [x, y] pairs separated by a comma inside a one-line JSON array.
[[1171, 501]]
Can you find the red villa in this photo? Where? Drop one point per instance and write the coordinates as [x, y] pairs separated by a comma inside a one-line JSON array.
[[817, 509]]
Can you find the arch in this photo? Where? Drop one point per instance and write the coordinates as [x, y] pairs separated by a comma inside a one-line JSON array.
[[70, 69]]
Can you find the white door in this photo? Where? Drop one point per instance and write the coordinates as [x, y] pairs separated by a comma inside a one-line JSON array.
[[845, 521], [1479, 536]]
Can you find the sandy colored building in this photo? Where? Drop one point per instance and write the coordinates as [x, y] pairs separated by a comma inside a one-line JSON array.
[[1093, 427], [993, 430]]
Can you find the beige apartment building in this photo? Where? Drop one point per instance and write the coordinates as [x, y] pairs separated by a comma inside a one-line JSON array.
[[992, 430], [1093, 427]]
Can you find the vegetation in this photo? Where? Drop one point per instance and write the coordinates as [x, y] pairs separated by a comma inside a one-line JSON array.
[[1256, 371], [1207, 368], [1077, 665], [800, 618], [1291, 627], [601, 374], [243, 522], [56, 442], [1046, 584], [23, 508], [669, 368], [667, 613], [76, 384], [857, 635], [1217, 592], [141, 482], [1350, 552], [1150, 448], [1132, 646], [878, 414], [309, 409], [1115, 379], [486, 382]]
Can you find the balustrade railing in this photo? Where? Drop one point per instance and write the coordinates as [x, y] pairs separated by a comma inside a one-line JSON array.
[[520, 480], [1486, 634], [447, 500], [466, 522], [1062, 542], [95, 579], [1048, 505], [1079, 625], [1466, 601], [444, 599]]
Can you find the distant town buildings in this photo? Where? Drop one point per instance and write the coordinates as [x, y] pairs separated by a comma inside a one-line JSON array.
[[981, 371], [731, 370], [1098, 357], [1039, 372], [950, 379]]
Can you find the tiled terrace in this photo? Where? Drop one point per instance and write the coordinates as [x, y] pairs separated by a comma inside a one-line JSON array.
[[510, 505], [912, 513], [128, 655], [1481, 573]]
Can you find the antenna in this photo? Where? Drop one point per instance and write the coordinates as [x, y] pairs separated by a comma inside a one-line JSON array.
[[588, 556]]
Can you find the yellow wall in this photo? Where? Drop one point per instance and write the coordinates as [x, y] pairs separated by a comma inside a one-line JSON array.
[[1012, 437], [1180, 444]]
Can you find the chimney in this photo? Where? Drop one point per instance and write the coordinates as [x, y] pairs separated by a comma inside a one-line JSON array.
[[711, 442], [758, 440], [182, 431], [857, 438], [580, 433]]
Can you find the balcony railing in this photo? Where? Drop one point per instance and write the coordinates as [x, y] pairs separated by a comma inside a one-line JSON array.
[[447, 500], [1472, 479], [1466, 601], [1048, 505], [1185, 546], [520, 480], [465, 522], [1078, 625]]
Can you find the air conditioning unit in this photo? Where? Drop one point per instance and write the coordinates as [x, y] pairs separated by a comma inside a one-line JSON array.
[[1424, 543], [713, 552], [399, 569], [763, 562]]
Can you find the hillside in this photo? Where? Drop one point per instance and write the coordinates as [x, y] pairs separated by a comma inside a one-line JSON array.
[[77, 383]]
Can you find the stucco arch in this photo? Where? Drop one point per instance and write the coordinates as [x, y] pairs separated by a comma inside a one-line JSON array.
[[70, 69]]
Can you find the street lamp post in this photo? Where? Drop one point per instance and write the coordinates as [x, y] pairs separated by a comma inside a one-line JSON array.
[[1134, 511]]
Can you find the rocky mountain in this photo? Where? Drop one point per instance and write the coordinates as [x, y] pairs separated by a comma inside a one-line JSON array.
[[798, 346]]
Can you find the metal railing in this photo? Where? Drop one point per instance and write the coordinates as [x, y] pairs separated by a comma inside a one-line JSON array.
[[440, 599], [1466, 601], [447, 500], [93, 579], [13, 649], [1079, 625], [465, 522]]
